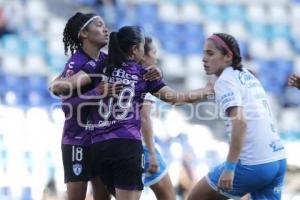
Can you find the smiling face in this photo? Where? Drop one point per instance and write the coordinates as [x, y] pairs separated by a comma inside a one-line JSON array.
[[214, 60], [96, 32]]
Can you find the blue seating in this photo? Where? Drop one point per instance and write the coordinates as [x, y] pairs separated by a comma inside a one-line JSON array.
[[5, 192], [259, 30], [169, 31], [13, 44], [235, 12], [14, 86], [26, 193], [280, 31], [244, 49], [213, 11], [36, 45], [146, 13]]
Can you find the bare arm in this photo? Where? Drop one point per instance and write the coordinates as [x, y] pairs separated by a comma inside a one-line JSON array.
[[169, 95], [237, 139], [238, 133], [64, 86], [146, 125], [147, 131]]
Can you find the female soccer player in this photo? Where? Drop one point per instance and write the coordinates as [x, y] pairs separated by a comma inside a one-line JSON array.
[[84, 35], [256, 161], [116, 141], [156, 176]]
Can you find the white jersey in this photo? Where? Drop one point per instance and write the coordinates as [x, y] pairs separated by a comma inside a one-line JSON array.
[[240, 88], [150, 97]]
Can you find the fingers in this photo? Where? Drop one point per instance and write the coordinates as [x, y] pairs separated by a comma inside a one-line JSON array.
[[225, 185], [107, 89], [153, 168], [115, 89], [153, 73]]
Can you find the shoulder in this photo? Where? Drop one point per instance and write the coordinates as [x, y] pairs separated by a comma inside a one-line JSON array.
[[77, 59], [102, 55], [228, 79]]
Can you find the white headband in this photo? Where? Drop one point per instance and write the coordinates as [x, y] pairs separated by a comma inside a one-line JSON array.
[[86, 23]]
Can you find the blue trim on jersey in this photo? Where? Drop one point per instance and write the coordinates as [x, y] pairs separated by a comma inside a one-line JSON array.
[[263, 181], [149, 178]]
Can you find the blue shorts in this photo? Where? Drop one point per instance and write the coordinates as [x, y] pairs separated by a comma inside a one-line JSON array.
[[263, 181], [149, 178]]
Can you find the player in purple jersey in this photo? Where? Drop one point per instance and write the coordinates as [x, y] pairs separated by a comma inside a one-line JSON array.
[[117, 151], [84, 35], [156, 175]]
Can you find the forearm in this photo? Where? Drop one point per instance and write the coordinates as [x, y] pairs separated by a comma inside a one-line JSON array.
[[64, 86], [147, 132], [60, 87], [86, 97], [171, 96], [237, 140]]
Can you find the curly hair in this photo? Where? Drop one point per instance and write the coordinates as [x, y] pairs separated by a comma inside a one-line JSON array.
[[70, 35]]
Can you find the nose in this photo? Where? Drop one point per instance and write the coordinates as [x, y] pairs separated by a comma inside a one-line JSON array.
[[105, 29]]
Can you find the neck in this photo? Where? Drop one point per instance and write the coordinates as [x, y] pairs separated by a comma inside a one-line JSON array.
[[218, 73], [91, 50]]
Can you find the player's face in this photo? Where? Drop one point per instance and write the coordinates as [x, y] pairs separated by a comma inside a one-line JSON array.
[[97, 32], [138, 51], [214, 61], [150, 58]]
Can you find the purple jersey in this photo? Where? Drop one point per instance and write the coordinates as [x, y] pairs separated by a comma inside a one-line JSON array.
[[119, 117], [75, 131]]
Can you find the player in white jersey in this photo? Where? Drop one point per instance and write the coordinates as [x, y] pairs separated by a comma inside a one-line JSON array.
[[156, 175], [256, 161]]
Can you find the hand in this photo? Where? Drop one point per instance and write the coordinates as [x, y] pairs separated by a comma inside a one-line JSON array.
[[153, 73], [294, 81], [153, 163], [107, 89], [226, 181], [209, 89]]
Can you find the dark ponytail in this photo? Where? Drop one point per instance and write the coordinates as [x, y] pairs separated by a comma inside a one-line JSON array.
[[115, 54], [120, 45], [234, 47]]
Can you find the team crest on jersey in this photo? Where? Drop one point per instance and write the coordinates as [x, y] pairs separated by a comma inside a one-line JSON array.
[[77, 169]]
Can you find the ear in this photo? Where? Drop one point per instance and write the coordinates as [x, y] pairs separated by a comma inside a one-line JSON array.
[[228, 57], [83, 34]]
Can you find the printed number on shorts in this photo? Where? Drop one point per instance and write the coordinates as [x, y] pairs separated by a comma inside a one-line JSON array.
[[123, 105], [77, 154]]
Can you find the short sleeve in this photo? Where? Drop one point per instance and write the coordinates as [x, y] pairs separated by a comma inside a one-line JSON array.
[[228, 94], [150, 97], [89, 67], [154, 86]]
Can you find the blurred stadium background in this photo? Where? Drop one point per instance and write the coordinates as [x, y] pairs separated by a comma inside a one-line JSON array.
[[31, 54]]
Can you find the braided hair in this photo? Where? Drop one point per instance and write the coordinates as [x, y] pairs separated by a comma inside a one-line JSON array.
[[71, 39], [234, 47]]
